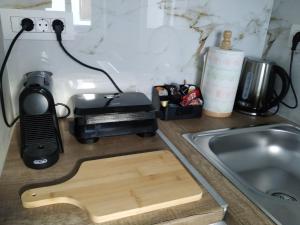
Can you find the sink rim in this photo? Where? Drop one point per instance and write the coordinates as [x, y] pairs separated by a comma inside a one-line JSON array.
[[219, 133], [256, 196]]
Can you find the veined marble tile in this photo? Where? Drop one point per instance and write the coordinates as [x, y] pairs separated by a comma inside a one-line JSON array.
[[139, 42], [284, 14]]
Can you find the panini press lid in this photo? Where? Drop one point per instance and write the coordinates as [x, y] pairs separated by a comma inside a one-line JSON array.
[[91, 104]]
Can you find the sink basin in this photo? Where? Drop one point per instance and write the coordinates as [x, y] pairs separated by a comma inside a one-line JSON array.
[[262, 161]]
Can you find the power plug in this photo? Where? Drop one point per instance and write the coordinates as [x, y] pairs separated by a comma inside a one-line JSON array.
[[58, 27], [27, 24]]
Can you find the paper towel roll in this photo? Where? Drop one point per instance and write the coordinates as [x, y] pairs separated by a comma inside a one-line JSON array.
[[220, 81]]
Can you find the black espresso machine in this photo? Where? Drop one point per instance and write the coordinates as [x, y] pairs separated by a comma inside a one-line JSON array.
[[102, 115], [40, 136]]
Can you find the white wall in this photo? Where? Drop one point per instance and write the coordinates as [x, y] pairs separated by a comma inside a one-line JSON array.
[[139, 42], [285, 13], [5, 134], [4, 131]]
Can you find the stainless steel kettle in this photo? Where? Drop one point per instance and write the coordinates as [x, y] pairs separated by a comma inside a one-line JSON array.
[[256, 94]]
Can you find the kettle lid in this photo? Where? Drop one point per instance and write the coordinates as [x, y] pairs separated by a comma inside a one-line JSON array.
[[258, 60]]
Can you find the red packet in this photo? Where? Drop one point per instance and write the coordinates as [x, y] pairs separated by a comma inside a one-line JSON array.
[[187, 99]]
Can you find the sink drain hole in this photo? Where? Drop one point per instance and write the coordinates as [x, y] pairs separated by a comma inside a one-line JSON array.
[[283, 196]]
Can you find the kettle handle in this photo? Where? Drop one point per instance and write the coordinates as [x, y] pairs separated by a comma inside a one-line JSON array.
[[285, 80]]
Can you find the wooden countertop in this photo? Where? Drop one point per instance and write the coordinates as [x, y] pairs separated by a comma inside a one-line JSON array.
[[16, 175], [240, 210]]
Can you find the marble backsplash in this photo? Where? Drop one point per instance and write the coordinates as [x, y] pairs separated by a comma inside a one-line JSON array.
[[139, 42], [284, 15]]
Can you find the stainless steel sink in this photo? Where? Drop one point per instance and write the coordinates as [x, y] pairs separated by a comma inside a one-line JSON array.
[[262, 161]]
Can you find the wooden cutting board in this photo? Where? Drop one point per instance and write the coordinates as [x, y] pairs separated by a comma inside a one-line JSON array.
[[122, 186]]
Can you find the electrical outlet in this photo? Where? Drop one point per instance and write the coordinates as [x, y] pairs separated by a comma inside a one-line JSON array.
[[11, 24], [42, 25], [294, 29]]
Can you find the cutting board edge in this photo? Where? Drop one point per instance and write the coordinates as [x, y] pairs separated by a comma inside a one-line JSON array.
[[117, 215], [46, 202], [150, 208]]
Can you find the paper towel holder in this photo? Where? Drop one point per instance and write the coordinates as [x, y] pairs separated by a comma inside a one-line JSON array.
[[226, 42], [219, 101]]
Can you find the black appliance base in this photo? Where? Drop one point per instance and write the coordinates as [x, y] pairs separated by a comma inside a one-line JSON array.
[[91, 133]]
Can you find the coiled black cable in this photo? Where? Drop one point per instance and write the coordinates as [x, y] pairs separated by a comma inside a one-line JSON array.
[[66, 107]]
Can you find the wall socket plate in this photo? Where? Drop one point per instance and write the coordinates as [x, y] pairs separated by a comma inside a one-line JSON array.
[[294, 29], [11, 20]]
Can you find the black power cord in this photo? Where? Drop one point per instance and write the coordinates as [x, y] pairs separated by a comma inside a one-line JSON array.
[[58, 27], [27, 25], [296, 40], [291, 85], [67, 108]]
